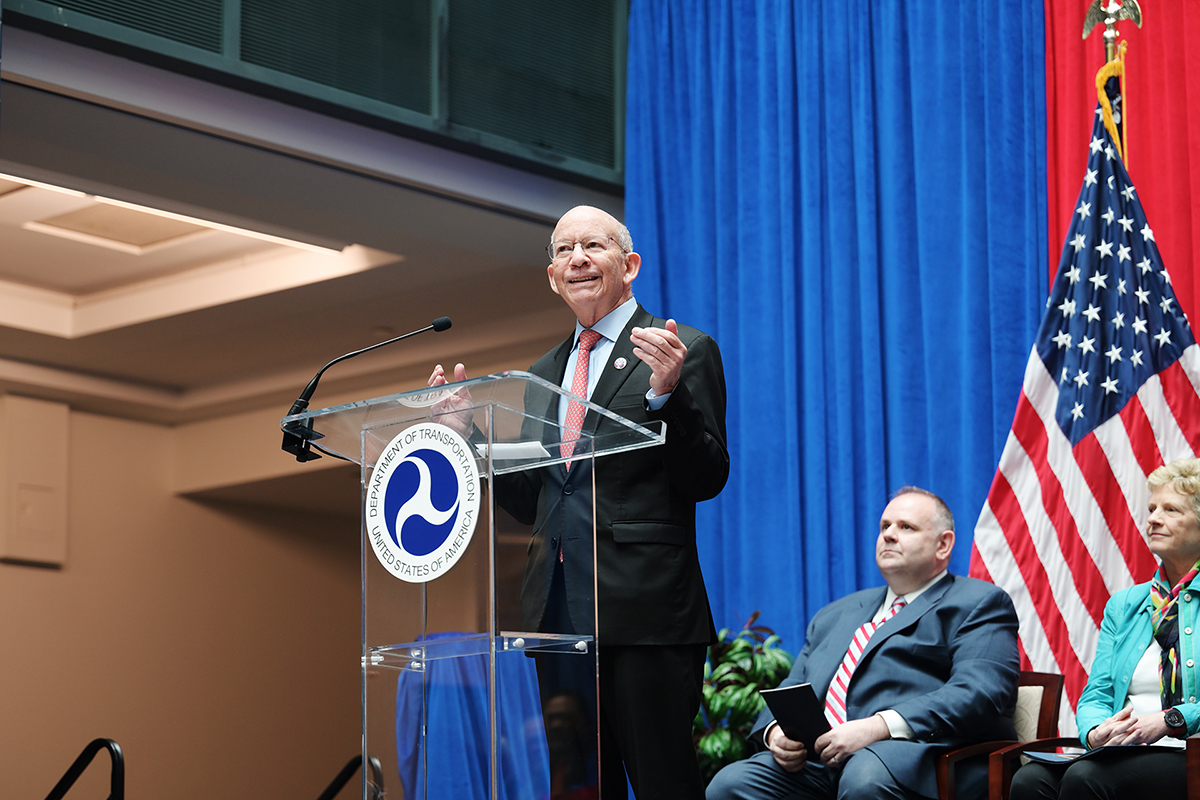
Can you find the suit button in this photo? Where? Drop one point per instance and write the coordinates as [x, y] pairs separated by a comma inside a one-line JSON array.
[[568, 489], [1187, 598], [554, 544]]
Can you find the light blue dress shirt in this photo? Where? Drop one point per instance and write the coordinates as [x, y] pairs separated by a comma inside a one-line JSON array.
[[609, 327]]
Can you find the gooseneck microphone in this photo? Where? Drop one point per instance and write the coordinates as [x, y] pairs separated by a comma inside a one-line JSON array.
[[296, 437]]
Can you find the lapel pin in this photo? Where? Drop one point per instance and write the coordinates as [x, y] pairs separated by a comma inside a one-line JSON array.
[[620, 363]]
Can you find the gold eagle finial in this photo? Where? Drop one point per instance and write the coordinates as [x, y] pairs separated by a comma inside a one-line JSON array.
[[1109, 13]]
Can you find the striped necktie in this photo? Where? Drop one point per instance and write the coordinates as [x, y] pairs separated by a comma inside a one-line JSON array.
[[835, 697], [579, 386]]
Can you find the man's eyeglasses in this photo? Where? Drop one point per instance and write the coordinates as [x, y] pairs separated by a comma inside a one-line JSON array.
[[593, 246]]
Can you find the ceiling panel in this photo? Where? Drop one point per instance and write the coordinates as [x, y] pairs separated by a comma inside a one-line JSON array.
[[257, 343]]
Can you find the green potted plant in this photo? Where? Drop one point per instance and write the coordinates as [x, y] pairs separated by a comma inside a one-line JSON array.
[[738, 666]]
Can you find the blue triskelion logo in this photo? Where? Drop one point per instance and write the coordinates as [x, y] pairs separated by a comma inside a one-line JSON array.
[[422, 502]]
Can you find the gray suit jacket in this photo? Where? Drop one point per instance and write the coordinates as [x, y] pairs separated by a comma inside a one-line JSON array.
[[947, 663]]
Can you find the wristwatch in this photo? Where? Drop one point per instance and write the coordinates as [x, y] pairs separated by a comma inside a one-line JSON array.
[[1176, 724]]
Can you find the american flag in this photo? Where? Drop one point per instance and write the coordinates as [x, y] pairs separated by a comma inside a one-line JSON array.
[[1110, 393]]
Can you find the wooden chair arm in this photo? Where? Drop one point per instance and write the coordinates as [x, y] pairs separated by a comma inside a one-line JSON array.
[[1000, 761], [947, 761]]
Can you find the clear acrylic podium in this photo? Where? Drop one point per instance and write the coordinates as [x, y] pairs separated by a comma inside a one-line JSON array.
[[452, 707]]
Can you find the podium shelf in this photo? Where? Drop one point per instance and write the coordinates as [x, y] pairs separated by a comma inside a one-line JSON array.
[[414, 656]]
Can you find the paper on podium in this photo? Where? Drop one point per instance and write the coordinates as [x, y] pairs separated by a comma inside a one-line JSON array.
[[502, 451]]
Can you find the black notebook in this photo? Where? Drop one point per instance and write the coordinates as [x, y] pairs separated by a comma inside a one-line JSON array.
[[1066, 758], [799, 713]]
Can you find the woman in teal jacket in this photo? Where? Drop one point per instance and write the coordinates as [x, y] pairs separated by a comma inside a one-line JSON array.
[[1143, 685]]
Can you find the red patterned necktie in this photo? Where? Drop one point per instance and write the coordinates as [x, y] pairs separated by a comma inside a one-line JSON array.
[[835, 697], [579, 385]]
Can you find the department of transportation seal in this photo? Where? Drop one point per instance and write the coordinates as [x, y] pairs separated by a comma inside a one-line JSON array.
[[422, 502]]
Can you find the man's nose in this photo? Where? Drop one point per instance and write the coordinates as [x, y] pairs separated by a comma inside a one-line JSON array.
[[578, 254]]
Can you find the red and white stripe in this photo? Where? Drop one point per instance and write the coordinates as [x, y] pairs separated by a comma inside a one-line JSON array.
[[835, 696], [1062, 527]]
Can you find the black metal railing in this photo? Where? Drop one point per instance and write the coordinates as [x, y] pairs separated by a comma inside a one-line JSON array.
[[117, 782], [343, 777]]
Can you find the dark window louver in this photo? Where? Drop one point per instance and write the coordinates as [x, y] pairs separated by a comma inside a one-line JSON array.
[[378, 49], [536, 79], [538, 72], [196, 23]]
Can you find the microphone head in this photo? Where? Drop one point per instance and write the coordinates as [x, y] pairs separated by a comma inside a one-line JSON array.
[[440, 324]]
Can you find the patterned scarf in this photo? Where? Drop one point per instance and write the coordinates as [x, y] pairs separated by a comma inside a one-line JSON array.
[[1165, 619]]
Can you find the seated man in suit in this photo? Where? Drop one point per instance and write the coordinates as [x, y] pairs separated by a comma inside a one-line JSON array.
[[905, 671]]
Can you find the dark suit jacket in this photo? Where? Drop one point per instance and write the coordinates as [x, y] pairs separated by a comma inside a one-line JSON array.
[[947, 663], [649, 587]]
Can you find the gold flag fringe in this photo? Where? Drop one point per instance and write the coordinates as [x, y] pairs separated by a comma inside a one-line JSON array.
[[1115, 67]]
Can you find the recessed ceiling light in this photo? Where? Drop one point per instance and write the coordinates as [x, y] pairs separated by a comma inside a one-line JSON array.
[[266, 237], [158, 212], [118, 228]]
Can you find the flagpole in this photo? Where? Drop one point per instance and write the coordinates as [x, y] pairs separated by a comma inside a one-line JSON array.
[[1109, 12]]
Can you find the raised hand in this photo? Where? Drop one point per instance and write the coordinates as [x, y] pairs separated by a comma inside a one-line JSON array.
[[455, 410], [661, 349]]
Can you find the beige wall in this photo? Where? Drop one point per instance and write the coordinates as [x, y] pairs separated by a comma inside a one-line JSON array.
[[217, 643], [214, 634]]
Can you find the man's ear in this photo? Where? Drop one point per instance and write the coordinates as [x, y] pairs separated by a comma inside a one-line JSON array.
[[945, 545], [550, 275], [633, 264]]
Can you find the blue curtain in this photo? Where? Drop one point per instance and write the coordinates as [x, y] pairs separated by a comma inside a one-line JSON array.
[[851, 198]]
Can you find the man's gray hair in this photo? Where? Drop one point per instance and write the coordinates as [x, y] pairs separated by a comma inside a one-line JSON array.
[[624, 240], [943, 520]]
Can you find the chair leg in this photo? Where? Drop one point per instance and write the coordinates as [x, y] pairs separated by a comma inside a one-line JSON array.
[[1000, 775], [945, 779], [1192, 759]]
